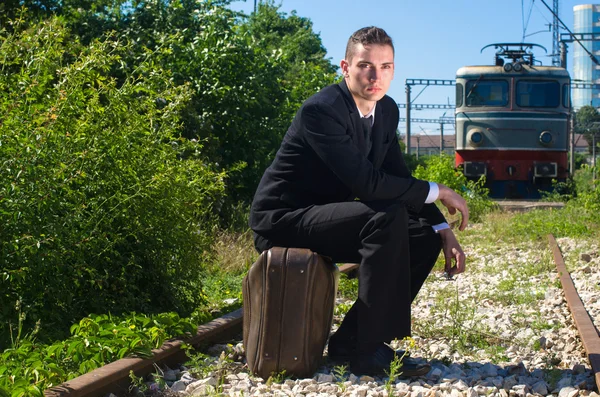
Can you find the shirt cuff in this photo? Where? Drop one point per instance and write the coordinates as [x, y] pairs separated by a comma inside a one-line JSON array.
[[441, 226], [434, 192]]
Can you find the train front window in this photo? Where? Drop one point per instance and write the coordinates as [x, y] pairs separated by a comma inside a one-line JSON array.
[[487, 93], [538, 94], [459, 95], [566, 99]]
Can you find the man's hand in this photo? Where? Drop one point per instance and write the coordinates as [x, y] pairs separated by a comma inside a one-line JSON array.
[[452, 251], [454, 201]]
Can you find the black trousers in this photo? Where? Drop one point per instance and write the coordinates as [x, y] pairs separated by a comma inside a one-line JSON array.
[[396, 253]]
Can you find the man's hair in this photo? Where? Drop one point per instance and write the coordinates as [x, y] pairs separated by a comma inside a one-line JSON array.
[[366, 36]]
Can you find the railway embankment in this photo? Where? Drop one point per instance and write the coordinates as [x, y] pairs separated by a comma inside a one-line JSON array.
[[503, 328]]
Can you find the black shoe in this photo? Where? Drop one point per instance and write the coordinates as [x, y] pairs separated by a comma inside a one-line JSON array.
[[343, 350], [379, 361], [374, 363], [340, 350], [410, 367]]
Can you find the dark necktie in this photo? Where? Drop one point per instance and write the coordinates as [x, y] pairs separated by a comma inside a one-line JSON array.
[[367, 128]]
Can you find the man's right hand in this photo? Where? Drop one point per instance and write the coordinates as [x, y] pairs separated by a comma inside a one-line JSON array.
[[454, 202]]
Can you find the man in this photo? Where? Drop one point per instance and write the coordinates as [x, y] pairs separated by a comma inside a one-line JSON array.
[[340, 187]]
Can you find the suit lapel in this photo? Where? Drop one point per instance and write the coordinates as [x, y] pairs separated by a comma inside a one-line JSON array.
[[357, 129], [378, 135]]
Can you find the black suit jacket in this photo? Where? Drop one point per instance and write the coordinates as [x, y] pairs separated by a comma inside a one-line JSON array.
[[322, 160]]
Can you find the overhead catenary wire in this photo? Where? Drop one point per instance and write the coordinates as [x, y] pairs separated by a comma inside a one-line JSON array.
[[592, 56], [525, 23]]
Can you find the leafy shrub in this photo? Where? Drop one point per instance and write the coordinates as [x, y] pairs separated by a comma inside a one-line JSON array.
[[587, 185], [441, 169], [247, 77], [30, 367], [104, 208]]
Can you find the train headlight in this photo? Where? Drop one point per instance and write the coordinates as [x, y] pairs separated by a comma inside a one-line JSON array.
[[546, 138], [475, 137], [517, 67], [508, 67]]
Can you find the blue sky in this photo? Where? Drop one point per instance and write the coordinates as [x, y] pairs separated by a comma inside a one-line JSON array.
[[433, 38]]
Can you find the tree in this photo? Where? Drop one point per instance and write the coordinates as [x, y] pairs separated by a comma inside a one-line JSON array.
[[98, 192], [307, 70], [585, 123], [248, 74]]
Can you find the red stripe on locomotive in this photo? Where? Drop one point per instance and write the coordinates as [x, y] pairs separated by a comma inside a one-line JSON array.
[[499, 161]]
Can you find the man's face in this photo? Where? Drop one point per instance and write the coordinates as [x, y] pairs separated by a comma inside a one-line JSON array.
[[369, 73]]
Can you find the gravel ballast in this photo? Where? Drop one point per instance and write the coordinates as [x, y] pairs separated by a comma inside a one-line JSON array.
[[502, 328]]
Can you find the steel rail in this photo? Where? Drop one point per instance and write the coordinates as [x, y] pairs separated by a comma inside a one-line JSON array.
[[114, 377], [585, 325]]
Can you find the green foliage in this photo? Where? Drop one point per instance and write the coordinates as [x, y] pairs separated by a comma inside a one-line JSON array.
[[137, 383], [569, 221], [393, 372], [276, 377], [441, 169], [580, 160], [587, 122], [347, 287], [248, 76], [587, 183], [580, 216], [340, 376], [104, 207], [122, 124], [96, 340], [412, 162]]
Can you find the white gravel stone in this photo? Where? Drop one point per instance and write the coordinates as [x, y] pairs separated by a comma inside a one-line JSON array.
[[529, 322]]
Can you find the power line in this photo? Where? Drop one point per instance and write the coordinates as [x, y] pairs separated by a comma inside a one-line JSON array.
[[592, 57]]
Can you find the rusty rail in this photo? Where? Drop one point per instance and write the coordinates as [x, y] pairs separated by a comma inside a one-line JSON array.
[[114, 377], [583, 322]]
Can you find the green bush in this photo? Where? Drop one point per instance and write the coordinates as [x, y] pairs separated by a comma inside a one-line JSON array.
[[441, 169], [587, 185], [103, 207], [29, 367]]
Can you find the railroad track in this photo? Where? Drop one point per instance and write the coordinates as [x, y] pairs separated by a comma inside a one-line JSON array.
[[115, 377], [526, 205]]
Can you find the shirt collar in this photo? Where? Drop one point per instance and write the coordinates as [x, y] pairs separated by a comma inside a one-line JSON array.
[[371, 113]]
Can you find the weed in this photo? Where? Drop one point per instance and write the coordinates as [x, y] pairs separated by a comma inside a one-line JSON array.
[[137, 384], [342, 308], [235, 251], [552, 376], [199, 362], [393, 373], [276, 377], [347, 287], [339, 373], [458, 321]]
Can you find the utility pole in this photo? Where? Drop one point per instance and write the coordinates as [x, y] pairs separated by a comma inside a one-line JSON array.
[[555, 35], [441, 138], [426, 83], [407, 89], [418, 146], [594, 156]]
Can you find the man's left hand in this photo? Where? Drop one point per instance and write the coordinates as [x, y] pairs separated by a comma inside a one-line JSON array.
[[452, 252]]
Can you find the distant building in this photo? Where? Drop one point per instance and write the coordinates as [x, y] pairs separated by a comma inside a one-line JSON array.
[[586, 20], [425, 145], [581, 145]]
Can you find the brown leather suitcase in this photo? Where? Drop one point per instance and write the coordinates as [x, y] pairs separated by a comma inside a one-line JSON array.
[[289, 296]]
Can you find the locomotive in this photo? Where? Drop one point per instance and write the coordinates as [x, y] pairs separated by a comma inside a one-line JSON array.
[[512, 122]]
